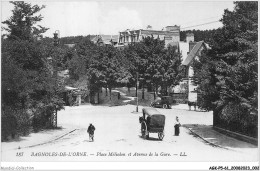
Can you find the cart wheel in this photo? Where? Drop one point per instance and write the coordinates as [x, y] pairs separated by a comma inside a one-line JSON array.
[[165, 106], [160, 135], [147, 135], [143, 130]]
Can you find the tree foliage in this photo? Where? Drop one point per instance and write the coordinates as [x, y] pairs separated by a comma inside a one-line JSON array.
[[28, 76], [22, 24], [199, 35], [102, 66], [152, 61], [228, 72]]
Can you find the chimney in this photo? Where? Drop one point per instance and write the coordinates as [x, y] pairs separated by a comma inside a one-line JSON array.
[[173, 28], [189, 37], [149, 27]]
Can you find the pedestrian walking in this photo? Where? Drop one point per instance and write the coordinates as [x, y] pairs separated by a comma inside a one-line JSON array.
[[177, 125], [90, 131]]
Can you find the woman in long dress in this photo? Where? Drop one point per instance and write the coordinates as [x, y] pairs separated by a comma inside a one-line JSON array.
[[177, 125]]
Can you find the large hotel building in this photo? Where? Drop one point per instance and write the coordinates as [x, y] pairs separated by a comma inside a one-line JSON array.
[[171, 34]]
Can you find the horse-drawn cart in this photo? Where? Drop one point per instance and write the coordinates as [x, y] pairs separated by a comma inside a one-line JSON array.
[[152, 121]]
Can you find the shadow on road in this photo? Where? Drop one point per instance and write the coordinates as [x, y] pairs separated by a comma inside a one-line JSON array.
[[216, 138], [150, 138], [22, 137]]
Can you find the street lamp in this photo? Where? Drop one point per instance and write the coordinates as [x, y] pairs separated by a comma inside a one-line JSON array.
[[136, 91], [142, 80]]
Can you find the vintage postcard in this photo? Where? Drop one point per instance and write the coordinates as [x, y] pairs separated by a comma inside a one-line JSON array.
[[129, 85]]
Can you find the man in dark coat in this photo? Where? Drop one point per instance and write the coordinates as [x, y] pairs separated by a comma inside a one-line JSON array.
[[90, 131]]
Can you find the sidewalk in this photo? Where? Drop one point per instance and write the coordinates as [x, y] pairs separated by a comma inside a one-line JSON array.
[[215, 138], [36, 139]]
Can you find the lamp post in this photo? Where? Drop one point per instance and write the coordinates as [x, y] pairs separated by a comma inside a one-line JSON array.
[[142, 80], [136, 95]]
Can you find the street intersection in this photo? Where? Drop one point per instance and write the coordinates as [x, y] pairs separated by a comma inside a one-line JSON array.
[[118, 138]]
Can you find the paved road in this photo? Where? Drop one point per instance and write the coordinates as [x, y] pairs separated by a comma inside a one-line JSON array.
[[117, 138]]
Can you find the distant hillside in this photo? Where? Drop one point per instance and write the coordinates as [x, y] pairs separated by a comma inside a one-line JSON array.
[[75, 39], [199, 35]]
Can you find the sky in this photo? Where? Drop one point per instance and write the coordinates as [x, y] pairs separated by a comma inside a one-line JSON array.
[[73, 18]]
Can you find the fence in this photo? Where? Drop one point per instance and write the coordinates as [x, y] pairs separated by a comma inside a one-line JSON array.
[[179, 97]]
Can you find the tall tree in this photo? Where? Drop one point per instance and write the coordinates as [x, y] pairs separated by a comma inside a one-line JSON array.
[[230, 67], [27, 73], [154, 63], [21, 25]]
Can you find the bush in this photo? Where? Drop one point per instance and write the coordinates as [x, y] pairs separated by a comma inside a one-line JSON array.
[[235, 117], [42, 118], [14, 122]]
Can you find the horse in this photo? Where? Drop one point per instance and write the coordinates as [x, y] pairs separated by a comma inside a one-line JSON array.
[[192, 104]]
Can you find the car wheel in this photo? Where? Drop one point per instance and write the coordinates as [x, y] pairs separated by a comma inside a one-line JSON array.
[[143, 130], [160, 135]]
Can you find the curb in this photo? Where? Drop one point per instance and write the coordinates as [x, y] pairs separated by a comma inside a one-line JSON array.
[[214, 145], [47, 141], [238, 136]]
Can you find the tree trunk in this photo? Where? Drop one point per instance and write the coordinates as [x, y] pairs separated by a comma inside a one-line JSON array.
[[143, 91], [98, 97], [154, 96], [106, 90], [136, 90], [110, 93]]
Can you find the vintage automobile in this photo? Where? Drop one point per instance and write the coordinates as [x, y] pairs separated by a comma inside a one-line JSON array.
[[152, 121], [163, 103]]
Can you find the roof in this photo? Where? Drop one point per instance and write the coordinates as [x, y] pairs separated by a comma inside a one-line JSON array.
[[151, 111], [108, 38], [92, 36], [94, 39], [176, 44], [148, 31], [193, 53], [105, 38]]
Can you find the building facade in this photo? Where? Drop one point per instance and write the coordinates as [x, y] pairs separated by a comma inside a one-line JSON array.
[[191, 51], [170, 34], [105, 40]]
